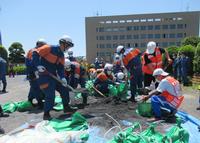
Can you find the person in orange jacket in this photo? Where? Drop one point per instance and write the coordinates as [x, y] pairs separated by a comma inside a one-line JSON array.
[[151, 60]]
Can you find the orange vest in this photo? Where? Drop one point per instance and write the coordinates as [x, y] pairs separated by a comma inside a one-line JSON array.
[[172, 99], [156, 61], [128, 57]]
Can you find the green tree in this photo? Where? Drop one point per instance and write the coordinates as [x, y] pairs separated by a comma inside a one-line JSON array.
[[173, 50], [3, 53], [196, 61], [190, 41], [16, 53]]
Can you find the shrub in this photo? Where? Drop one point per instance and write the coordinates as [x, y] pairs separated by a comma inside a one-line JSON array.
[[196, 61], [19, 69]]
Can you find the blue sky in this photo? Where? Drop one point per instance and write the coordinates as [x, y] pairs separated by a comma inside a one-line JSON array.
[[25, 21]]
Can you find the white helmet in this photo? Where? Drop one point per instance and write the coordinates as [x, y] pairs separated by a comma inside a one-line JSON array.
[[41, 42], [120, 75], [70, 52], [117, 56], [119, 48], [66, 39], [151, 47], [108, 67], [67, 63]]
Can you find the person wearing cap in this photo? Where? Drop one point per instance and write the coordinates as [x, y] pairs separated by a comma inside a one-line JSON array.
[[49, 60], [167, 95], [151, 60], [131, 59], [34, 91]]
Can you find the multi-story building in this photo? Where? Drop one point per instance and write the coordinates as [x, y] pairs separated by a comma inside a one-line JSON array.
[[105, 33]]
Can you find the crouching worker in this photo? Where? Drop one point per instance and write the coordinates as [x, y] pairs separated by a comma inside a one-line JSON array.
[[75, 74], [103, 79], [167, 95]]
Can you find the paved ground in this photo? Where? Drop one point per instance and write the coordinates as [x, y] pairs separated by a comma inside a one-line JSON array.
[[18, 90]]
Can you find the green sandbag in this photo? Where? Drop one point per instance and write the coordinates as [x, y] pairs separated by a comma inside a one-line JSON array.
[[58, 107], [9, 107], [24, 106], [84, 137], [177, 134], [78, 122], [128, 136], [152, 135], [145, 109], [112, 90], [78, 96], [58, 99]]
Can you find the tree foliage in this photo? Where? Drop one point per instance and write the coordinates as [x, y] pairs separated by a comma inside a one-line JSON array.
[[196, 61], [3, 53], [172, 50], [16, 53], [191, 41]]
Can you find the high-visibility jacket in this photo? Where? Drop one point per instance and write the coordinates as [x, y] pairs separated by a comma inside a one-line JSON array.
[[129, 55], [77, 71], [156, 61], [174, 100]]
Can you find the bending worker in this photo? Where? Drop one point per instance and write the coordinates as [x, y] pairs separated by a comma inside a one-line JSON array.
[[49, 61], [167, 95]]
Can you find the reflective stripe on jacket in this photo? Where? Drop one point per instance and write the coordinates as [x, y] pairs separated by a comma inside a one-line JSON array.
[[156, 61], [174, 100]]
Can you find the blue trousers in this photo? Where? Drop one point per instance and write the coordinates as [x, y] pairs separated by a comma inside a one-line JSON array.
[[3, 79], [159, 101], [35, 91], [49, 92]]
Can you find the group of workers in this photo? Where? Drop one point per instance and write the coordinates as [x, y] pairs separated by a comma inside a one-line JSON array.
[[48, 70]]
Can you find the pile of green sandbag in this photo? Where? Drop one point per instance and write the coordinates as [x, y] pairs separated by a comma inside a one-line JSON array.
[[17, 106], [175, 135]]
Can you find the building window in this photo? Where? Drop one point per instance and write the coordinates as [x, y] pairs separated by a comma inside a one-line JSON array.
[[136, 20], [108, 37], [108, 22], [101, 38], [115, 37], [108, 29], [97, 45], [128, 21], [101, 46], [171, 43], [136, 28], [142, 27], [165, 35], [157, 36], [150, 36], [142, 45], [115, 29], [172, 26], [150, 27], [101, 29], [108, 45], [178, 43], [172, 35], [165, 26], [122, 29], [96, 29], [157, 27], [150, 20], [97, 38], [128, 45], [164, 44], [136, 45], [122, 21], [185, 26], [128, 36], [157, 19], [184, 34], [115, 45], [129, 28], [143, 20], [115, 21], [135, 36], [143, 36], [180, 26], [122, 37], [180, 35]]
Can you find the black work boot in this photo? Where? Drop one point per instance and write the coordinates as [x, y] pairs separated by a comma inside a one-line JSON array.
[[47, 116], [40, 105], [132, 99], [85, 101], [4, 114], [69, 110], [2, 131]]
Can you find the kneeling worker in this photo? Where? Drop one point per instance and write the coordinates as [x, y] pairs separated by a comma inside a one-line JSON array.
[[167, 95]]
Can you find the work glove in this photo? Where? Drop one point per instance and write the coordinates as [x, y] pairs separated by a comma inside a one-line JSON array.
[[41, 68], [145, 98], [36, 74], [64, 82]]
